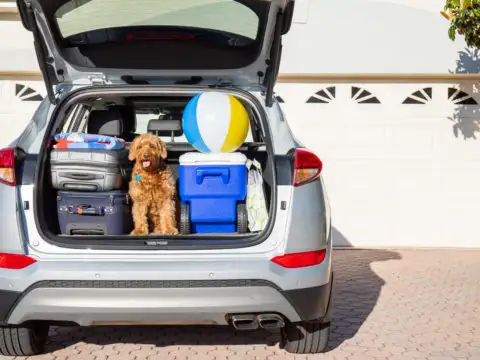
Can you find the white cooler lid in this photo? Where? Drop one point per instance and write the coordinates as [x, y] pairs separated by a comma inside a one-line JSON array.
[[197, 158]]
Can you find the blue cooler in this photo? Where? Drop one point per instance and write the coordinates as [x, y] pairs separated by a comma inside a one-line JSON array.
[[212, 184]]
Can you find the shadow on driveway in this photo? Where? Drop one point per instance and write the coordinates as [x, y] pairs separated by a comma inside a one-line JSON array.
[[357, 287]]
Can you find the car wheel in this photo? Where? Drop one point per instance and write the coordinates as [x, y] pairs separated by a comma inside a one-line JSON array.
[[305, 338], [185, 227], [22, 340]]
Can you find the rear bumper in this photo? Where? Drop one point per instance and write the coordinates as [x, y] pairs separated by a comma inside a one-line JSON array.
[[162, 290], [160, 302]]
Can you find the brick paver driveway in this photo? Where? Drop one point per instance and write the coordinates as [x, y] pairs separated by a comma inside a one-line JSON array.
[[388, 305]]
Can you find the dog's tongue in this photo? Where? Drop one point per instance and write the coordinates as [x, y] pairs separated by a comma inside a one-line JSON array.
[[146, 164]]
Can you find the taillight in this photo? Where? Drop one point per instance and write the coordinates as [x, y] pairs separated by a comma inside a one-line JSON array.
[[307, 167], [15, 261], [298, 260], [7, 166]]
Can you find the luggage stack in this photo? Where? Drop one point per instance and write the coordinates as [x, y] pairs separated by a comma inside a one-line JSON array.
[[90, 173]]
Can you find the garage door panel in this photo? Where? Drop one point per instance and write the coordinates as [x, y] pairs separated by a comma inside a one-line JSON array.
[[18, 101], [397, 174]]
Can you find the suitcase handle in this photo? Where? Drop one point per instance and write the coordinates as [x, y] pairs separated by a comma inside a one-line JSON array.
[[86, 210], [213, 171], [77, 187], [81, 176], [86, 229], [91, 232]]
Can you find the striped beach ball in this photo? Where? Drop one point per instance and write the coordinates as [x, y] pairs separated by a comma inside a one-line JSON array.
[[215, 122]]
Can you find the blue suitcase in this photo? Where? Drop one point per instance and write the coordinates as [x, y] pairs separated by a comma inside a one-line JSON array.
[[94, 213]]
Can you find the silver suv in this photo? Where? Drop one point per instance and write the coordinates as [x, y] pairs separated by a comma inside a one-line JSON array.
[[97, 54]]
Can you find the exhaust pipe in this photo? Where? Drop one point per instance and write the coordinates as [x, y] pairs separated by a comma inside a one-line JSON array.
[[270, 321], [244, 322]]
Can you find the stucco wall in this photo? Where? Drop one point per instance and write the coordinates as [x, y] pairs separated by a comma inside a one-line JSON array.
[[337, 37], [368, 36]]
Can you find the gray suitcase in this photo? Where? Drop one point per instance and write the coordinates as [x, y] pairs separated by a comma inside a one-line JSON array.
[[89, 169]]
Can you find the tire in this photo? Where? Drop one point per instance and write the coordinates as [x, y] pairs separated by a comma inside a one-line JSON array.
[[242, 218], [185, 227], [23, 341], [306, 338]]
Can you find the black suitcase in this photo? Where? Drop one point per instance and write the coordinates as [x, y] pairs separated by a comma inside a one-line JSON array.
[[94, 213]]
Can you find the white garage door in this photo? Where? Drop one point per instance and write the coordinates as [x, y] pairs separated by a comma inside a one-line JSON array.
[[18, 101], [402, 161]]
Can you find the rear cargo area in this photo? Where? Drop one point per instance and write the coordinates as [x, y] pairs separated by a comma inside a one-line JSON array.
[[82, 190]]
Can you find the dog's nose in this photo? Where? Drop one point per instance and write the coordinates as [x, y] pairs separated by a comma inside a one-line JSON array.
[[145, 155]]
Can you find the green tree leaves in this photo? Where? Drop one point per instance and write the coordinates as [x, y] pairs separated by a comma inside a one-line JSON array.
[[464, 18], [452, 32]]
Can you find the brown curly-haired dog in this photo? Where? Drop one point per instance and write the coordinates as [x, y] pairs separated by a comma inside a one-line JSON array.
[[152, 188]]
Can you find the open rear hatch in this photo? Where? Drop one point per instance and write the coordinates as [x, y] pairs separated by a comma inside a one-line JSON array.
[[234, 42], [80, 194]]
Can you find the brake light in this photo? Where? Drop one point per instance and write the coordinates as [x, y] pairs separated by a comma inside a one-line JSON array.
[[15, 261], [307, 167], [7, 166], [299, 260]]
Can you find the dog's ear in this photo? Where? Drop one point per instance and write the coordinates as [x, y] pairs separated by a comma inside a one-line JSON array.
[[163, 148], [132, 155]]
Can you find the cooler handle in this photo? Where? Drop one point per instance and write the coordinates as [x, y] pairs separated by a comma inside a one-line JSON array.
[[213, 171]]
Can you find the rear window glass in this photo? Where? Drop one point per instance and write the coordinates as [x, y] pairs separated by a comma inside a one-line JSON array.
[[142, 120], [78, 16]]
